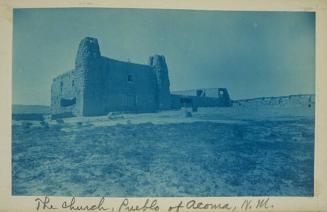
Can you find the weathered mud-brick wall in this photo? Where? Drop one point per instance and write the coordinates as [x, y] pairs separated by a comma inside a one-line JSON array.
[[112, 85], [67, 94], [99, 85], [213, 97], [89, 61], [158, 62], [179, 101], [129, 87]]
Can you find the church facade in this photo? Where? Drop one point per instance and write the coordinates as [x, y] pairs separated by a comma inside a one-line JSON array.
[[99, 85]]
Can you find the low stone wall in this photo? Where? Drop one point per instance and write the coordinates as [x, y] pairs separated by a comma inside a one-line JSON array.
[[307, 100]]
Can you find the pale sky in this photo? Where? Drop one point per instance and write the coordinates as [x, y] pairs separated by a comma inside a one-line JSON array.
[[252, 54]]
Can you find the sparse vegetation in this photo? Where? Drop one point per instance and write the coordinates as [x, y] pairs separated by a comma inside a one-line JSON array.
[[248, 155]]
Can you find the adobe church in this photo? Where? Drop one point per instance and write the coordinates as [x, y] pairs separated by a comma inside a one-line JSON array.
[[99, 85]]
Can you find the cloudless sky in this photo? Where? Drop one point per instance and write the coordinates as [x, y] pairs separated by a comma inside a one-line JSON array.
[[252, 54]]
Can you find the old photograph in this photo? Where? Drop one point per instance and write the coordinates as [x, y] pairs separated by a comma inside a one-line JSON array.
[[163, 103]]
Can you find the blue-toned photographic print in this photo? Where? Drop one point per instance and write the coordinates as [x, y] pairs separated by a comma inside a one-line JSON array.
[[170, 103]]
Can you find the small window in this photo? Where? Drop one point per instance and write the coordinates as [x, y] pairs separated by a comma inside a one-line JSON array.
[[129, 78], [73, 83], [221, 93]]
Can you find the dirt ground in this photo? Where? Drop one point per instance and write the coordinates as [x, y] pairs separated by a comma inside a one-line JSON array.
[[216, 152]]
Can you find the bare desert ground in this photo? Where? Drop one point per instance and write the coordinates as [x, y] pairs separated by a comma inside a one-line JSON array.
[[242, 150]]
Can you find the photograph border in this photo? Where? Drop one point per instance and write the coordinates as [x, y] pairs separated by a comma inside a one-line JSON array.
[[8, 202]]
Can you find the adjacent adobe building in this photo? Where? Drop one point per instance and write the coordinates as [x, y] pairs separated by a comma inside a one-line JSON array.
[[99, 85]]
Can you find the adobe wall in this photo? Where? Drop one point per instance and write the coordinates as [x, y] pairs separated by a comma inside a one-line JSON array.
[[67, 87], [159, 65], [112, 85], [99, 85], [197, 101], [131, 84], [120, 86]]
